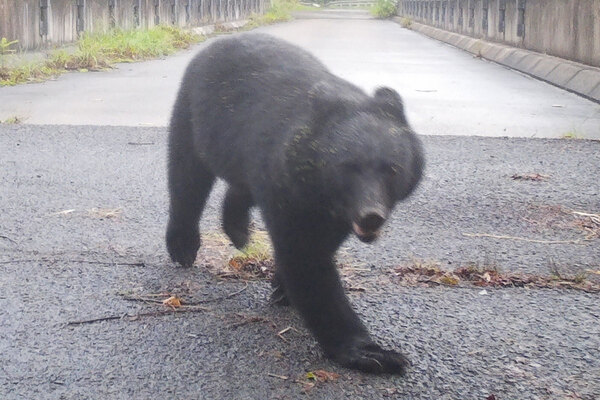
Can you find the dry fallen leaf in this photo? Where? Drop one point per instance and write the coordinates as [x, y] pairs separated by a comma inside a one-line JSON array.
[[591, 271], [105, 212], [173, 301], [530, 177], [64, 212], [449, 280], [322, 376]]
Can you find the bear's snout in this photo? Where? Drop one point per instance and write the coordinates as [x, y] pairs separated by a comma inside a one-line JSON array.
[[368, 224]]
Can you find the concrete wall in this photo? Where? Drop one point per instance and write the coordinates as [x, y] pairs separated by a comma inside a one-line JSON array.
[[565, 28], [42, 23]]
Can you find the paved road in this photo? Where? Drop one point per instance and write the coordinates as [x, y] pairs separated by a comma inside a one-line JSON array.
[[61, 261], [83, 215], [447, 91]]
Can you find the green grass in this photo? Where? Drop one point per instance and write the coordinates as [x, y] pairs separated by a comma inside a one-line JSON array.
[[406, 22], [572, 135], [101, 51], [12, 121], [258, 248], [384, 9], [280, 11]]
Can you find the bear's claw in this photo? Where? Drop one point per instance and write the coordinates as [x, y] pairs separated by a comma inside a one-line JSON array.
[[371, 358]]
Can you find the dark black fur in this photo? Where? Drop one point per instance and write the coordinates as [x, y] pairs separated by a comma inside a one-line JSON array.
[[318, 156]]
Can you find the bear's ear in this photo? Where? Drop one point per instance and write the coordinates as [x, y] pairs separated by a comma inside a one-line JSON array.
[[389, 102], [325, 102]]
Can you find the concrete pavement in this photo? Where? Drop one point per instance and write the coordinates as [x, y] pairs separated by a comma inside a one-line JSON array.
[[569, 75], [446, 91]]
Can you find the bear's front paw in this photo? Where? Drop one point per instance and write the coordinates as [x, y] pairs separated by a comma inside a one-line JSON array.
[[369, 357], [183, 246]]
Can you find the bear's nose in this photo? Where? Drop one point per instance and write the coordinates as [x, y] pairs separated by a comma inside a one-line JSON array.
[[372, 221]]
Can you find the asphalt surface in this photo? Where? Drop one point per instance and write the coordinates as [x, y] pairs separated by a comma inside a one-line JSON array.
[[84, 210], [447, 91], [61, 262]]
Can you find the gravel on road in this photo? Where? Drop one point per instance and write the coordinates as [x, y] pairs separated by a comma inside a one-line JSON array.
[[82, 230]]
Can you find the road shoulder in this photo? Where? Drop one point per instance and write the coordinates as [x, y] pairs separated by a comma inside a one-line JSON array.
[[581, 79]]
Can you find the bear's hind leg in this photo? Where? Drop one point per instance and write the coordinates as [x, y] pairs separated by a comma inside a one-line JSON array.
[[236, 215]]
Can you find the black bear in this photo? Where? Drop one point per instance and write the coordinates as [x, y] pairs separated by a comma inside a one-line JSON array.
[[317, 156]]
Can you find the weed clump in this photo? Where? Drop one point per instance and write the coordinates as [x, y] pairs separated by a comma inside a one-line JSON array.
[[97, 51], [384, 9], [280, 11]]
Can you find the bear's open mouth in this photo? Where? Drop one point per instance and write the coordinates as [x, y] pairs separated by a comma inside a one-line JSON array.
[[364, 236]]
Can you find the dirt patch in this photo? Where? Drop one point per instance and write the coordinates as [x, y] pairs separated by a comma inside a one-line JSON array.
[[546, 218], [429, 274], [530, 177], [248, 268], [255, 262]]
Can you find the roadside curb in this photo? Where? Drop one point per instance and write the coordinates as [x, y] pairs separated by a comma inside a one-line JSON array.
[[581, 79], [208, 30]]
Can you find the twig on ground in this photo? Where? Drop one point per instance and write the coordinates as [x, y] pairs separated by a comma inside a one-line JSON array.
[[283, 331], [91, 321], [145, 298], [249, 319], [17, 261], [488, 235], [282, 377], [7, 238], [135, 316], [55, 260], [133, 264]]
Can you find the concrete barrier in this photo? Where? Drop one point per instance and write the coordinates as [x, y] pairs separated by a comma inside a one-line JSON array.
[[568, 29], [42, 23], [575, 77]]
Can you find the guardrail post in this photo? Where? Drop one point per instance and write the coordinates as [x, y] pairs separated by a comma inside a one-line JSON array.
[[80, 17], [112, 19], [173, 12], [521, 18], [502, 16], [136, 13], [484, 16], [43, 18], [156, 12]]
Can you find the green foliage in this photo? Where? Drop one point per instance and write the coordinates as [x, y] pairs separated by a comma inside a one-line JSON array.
[[5, 46], [258, 248], [101, 50], [12, 120], [384, 9], [5, 49], [280, 11], [574, 134], [98, 51], [29, 72]]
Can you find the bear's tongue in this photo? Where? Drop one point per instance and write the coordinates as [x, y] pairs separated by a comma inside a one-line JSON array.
[[364, 236]]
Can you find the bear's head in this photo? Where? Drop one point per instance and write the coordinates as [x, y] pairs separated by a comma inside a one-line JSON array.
[[360, 157]]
